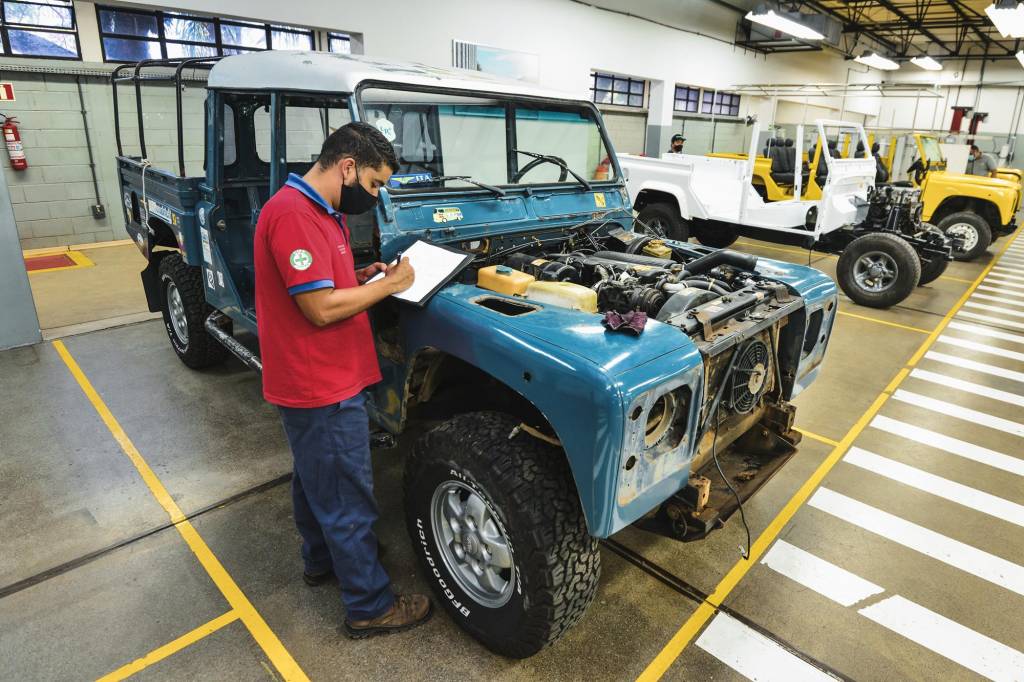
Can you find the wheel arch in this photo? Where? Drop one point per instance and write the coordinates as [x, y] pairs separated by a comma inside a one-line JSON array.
[[984, 208], [661, 193], [441, 383]]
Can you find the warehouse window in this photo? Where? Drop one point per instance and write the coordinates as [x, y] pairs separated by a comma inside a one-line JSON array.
[[39, 28], [687, 98], [723, 103], [339, 42], [610, 89], [129, 35]]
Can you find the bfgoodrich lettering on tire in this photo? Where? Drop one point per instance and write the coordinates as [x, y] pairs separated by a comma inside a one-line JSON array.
[[501, 538]]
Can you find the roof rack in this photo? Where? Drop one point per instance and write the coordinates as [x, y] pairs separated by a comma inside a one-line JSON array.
[[138, 77]]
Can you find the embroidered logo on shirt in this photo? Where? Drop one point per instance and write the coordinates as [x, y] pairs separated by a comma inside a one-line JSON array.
[[300, 259]]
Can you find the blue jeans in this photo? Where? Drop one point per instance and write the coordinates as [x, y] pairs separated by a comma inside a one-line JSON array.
[[332, 494]]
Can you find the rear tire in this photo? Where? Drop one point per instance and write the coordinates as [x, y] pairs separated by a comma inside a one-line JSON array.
[[526, 573], [970, 227], [878, 270], [663, 218], [931, 270], [185, 311], [715, 235]]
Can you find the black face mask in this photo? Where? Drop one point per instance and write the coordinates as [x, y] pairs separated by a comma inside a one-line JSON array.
[[356, 199]]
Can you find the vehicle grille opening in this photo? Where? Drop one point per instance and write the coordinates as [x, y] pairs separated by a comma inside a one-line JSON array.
[[813, 327]]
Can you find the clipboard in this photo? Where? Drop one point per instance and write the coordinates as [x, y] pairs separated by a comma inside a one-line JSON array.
[[435, 266]]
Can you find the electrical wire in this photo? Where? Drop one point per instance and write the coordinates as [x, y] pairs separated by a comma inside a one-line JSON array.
[[718, 465]]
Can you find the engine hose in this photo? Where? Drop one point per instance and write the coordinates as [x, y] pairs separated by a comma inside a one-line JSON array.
[[743, 261], [635, 258], [706, 284]]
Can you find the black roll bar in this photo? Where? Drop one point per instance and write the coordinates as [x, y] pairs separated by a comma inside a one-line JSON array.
[[137, 77]]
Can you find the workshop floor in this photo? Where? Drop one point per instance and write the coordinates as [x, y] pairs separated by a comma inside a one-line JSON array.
[[104, 294], [147, 528]]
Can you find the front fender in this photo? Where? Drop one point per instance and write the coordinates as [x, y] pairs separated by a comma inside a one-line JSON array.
[[576, 389], [666, 188]]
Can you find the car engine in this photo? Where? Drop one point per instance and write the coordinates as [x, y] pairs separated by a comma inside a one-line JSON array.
[[749, 328]]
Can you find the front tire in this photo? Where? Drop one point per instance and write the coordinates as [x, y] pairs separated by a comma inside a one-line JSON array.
[[878, 270], [662, 220], [500, 535], [972, 229], [185, 311]]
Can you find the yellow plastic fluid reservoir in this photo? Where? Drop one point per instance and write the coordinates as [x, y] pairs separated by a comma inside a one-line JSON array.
[[657, 248], [504, 280], [564, 294]]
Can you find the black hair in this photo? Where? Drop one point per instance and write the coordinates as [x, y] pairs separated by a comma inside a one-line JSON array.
[[975, 148], [360, 141]]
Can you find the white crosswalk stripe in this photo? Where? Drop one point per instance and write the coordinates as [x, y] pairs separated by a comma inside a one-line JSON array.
[[1005, 273], [982, 367], [995, 308], [980, 347], [931, 630], [992, 279], [937, 485], [1003, 292], [753, 655], [986, 331], [991, 320], [946, 637], [999, 299], [968, 387], [959, 412], [953, 446], [823, 577], [959, 555]]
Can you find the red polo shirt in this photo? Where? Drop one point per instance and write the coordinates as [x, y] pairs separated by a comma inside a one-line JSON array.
[[302, 244]]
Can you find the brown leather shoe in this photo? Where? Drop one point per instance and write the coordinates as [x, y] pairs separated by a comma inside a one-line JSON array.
[[408, 611]]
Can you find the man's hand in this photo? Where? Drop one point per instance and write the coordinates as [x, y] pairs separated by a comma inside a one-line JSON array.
[[369, 271], [399, 276]]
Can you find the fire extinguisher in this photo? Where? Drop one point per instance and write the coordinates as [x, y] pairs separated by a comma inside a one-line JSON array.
[[15, 150]]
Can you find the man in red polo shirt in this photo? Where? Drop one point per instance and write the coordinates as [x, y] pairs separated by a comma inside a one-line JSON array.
[[318, 356]]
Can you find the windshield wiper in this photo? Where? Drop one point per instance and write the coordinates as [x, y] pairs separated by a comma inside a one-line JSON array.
[[465, 178], [558, 162]]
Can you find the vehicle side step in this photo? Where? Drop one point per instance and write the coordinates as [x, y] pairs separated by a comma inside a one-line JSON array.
[[216, 324]]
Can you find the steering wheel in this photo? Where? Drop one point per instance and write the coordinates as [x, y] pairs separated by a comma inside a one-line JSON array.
[[536, 162]]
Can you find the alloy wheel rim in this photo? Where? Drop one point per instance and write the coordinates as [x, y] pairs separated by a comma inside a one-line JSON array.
[[472, 543], [176, 310], [875, 271]]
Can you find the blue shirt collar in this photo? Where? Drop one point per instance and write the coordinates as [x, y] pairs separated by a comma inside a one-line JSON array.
[[296, 181]]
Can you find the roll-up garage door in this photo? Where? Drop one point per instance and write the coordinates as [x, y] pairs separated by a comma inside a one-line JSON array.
[[628, 131]]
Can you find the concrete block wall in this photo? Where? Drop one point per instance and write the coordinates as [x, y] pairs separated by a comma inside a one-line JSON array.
[[53, 197]]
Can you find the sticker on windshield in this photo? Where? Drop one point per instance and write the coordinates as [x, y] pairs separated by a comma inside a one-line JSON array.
[[301, 259], [387, 128], [447, 214], [599, 200], [400, 181]]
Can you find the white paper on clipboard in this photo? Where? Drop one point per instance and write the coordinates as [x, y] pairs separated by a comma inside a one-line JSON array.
[[432, 265]]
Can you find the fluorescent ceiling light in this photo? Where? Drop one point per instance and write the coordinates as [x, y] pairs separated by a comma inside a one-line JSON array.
[[926, 63], [876, 61], [1020, 57], [1008, 17], [766, 16]]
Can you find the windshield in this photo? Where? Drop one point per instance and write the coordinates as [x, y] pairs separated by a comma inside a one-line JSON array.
[[931, 149], [439, 135]]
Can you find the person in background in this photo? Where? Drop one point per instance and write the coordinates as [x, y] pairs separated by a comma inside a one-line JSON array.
[[676, 146], [979, 163]]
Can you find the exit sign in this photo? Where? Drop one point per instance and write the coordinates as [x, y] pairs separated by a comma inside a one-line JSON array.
[[6, 92]]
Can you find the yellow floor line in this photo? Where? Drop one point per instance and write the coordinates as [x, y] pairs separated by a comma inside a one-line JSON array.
[[172, 647], [708, 608], [886, 322], [240, 604], [814, 436]]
